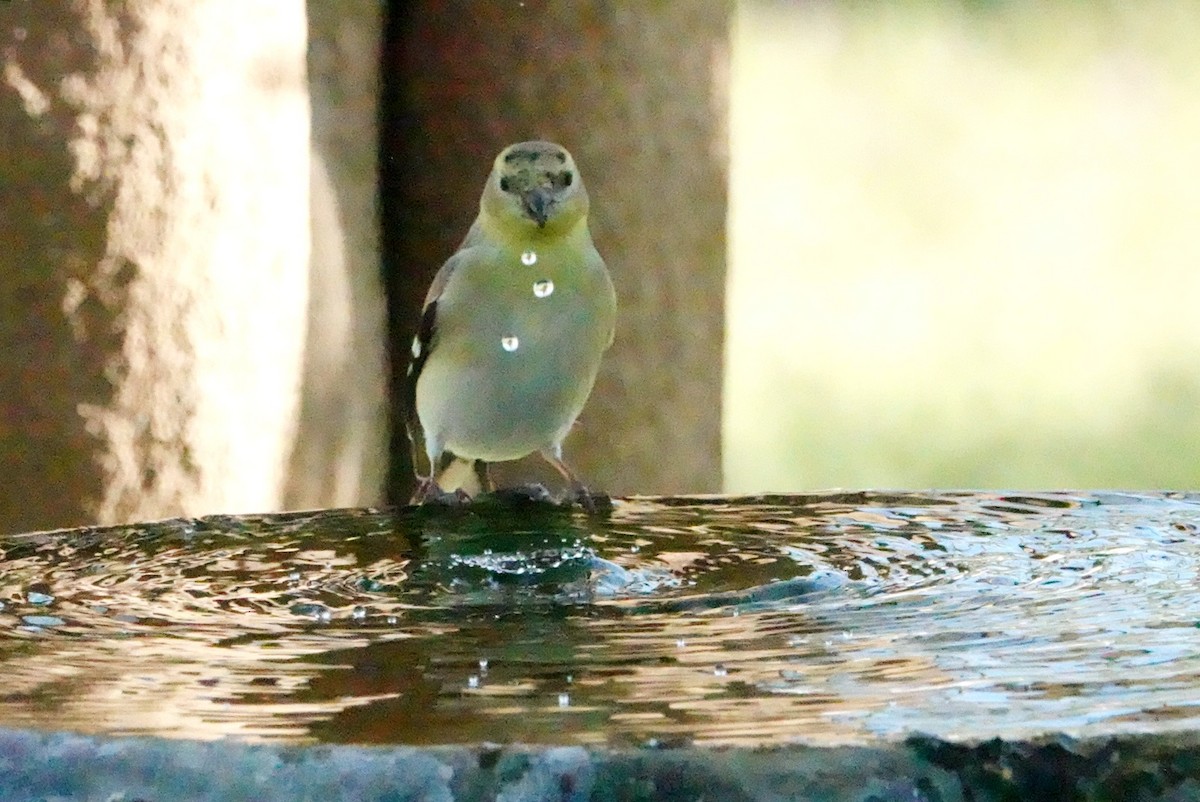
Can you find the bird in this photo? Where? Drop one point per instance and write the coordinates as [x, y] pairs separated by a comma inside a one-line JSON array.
[[513, 328]]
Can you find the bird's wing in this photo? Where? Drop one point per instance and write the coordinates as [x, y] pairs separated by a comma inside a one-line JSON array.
[[423, 342]]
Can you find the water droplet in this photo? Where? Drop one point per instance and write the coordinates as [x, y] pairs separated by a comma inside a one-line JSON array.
[[543, 288], [317, 612], [472, 681], [529, 258], [42, 620], [391, 619], [719, 670], [40, 599], [570, 678], [359, 613], [483, 665], [294, 576], [635, 549], [510, 343], [564, 700], [679, 644], [416, 347]]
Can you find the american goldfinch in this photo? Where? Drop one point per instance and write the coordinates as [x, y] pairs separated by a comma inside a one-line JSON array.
[[513, 327]]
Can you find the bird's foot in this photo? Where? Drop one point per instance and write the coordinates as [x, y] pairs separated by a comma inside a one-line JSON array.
[[591, 502], [430, 493]]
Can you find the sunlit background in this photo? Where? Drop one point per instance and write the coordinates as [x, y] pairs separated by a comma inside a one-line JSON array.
[[965, 245]]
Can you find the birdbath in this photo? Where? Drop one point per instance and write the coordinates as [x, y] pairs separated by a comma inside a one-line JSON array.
[[930, 646]]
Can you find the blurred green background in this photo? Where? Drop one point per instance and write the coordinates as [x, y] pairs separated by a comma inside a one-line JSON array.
[[964, 245]]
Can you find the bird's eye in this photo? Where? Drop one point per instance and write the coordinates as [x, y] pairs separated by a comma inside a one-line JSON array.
[[564, 179], [504, 185]]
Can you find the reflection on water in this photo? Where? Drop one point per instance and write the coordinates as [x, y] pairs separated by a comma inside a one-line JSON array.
[[828, 618]]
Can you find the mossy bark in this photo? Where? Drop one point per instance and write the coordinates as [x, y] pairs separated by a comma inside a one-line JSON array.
[[154, 182]]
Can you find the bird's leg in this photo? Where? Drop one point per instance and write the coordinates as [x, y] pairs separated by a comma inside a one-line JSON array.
[[579, 493], [430, 492], [427, 490]]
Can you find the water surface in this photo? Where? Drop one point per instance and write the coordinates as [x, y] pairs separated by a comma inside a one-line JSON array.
[[835, 618]]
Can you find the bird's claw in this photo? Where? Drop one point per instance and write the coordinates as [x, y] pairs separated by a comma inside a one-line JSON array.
[[429, 493], [591, 502]]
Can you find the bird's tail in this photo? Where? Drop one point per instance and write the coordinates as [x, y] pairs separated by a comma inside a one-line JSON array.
[[460, 474]]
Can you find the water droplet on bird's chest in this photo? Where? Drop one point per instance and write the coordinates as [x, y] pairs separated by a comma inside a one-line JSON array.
[[529, 258], [543, 288], [510, 343]]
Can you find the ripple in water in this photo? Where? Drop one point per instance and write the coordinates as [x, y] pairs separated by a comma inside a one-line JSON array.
[[828, 618]]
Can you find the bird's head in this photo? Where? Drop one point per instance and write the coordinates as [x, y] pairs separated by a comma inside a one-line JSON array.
[[535, 185]]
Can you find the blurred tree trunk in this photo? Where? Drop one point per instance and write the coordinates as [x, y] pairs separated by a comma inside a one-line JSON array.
[[340, 455], [638, 93], [154, 181]]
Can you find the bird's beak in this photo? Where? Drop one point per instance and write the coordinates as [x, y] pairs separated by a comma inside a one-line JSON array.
[[537, 202]]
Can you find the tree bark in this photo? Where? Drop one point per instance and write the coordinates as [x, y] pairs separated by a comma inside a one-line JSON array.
[[152, 283], [638, 94], [340, 455]]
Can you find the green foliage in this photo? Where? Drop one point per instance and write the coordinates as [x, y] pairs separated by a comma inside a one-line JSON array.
[[963, 246]]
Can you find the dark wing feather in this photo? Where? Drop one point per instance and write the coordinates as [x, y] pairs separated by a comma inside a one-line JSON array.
[[423, 344]]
